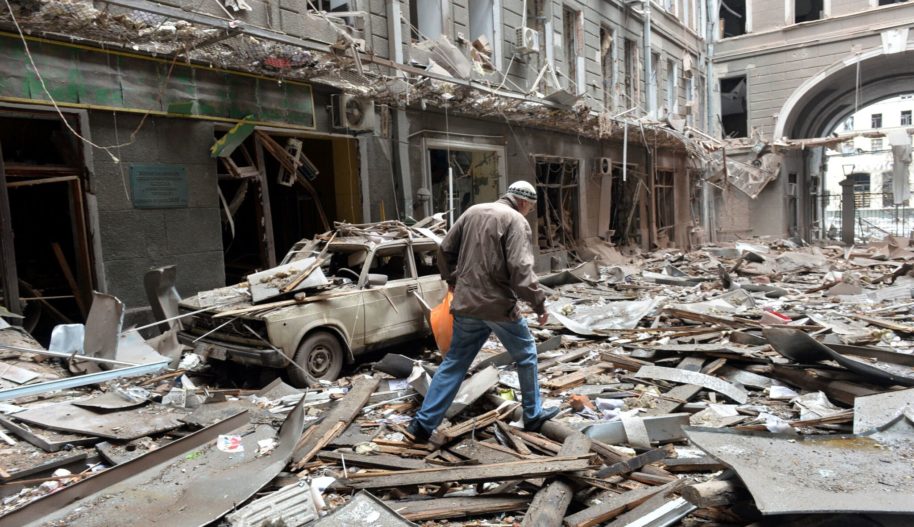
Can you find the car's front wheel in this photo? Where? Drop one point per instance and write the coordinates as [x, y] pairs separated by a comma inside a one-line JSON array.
[[319, 358]]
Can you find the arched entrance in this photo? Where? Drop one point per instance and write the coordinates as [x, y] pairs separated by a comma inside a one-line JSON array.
[[818, 106]]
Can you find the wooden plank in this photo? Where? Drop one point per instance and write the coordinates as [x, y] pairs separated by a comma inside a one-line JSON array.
[[611, 507], [382, 461], [447, 508], [336, 421], [714, 493], [551, 502], [674, 399], [578, 377], [568, 357], [526, 469], [633, 464], [693, 464]]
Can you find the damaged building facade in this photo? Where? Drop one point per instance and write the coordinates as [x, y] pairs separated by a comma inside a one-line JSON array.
[[215, 136], [786, 75], [386, 109]]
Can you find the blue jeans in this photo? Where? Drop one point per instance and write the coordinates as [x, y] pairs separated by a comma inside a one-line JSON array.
[[469, 336]]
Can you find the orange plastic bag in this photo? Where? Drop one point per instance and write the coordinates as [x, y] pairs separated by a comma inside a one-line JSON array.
[[443, 324]]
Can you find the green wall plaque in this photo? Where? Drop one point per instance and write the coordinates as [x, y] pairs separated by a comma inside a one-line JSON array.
[[158, 186]]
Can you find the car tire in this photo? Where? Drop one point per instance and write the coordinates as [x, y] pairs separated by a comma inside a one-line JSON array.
[[319, 357]]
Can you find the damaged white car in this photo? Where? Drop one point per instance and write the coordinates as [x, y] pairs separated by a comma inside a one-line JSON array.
[[332, 299]]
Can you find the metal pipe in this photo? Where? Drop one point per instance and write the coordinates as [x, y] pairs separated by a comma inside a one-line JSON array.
[[66, 355], [82, 380], [707, 203]]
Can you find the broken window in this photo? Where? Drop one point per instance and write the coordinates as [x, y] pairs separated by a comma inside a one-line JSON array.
[[876, 144], [732, 18], [391, 262], [571, 24], [655, 79], [426, 19], [734, 114], [51, 251], [808, 10], [664, 203], [476, 176], [334, 8], [268, 208], [691, 100], [672, 87], [607, 67], [425, 257], [905, 118], [848, 124], [632, 74], [876, 120], [482, 25], [557, 203]]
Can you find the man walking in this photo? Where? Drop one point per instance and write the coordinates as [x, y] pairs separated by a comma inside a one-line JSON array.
[[487, 260]]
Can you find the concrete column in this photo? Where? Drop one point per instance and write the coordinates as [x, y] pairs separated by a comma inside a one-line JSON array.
[[848, 211]]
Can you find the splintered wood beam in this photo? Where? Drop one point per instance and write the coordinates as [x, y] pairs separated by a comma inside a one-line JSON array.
[[381, 461], [577, 378], [525, 469], [551, 502], [447, 508], [337, 420], [611, 507]]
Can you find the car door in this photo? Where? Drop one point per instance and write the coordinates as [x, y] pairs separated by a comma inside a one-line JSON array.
[[391, 312]]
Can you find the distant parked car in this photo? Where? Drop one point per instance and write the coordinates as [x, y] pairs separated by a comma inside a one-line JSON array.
[[365, 299]]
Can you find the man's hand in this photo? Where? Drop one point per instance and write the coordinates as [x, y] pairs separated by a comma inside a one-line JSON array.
[[542, 319], [450, 288]]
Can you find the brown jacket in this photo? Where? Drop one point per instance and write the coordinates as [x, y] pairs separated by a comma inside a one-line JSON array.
[[488, 256]]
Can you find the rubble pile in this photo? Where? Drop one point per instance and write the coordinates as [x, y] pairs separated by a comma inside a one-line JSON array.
[[754, 383]]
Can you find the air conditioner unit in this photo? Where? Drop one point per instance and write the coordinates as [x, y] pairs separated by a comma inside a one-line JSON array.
[[688, 108], [792, 190], [605, 166], [527, 40], [352, 113]]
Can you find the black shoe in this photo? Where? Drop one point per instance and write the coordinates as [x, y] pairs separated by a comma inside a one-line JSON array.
[[545, 415], [420, 434]]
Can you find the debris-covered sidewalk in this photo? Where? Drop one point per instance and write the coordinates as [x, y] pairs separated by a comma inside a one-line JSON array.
[[753, 383]]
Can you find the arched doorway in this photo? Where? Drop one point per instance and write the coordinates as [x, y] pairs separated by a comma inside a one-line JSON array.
[[818, 108]]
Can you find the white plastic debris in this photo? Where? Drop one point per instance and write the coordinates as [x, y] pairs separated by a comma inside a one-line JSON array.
[[781, 393], [229, 443]]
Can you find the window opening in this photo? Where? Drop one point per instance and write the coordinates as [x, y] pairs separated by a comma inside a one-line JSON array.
[[426, 259], [734, 112], [732, 18], [571, 43], [557, 202], [632, 74], [476, 177], [876, 144], [890, 2], [808, 10], [905, 118], [426, 19], [664, 201], [606, 66], [482, 21], [672, 87], [876, 120], [391, 262]]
